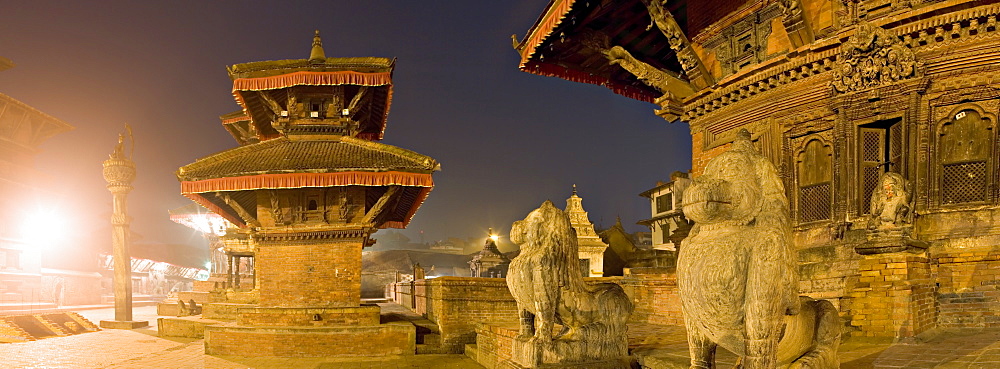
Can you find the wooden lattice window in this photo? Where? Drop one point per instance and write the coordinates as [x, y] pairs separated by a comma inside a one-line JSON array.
[[814, 172], [664, 203], [880, 150], [965, 144]]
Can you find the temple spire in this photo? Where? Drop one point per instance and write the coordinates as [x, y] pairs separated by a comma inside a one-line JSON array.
[[574, 189], [317, 54]]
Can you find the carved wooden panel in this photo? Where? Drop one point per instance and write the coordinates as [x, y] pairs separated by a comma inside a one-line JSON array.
[[814, 174], [965, 144], [873, 144]]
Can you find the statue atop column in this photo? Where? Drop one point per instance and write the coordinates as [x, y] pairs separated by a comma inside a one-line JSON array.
[[119, 172], [737, 275]]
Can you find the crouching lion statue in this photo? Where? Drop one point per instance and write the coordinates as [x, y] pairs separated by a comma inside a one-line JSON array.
[[737, 271], [546, 282]]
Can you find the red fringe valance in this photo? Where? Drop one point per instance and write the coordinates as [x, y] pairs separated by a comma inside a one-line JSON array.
[[549, 70], [201, 200], [313, 79], [553, 17], [296, 180], [319, 78]]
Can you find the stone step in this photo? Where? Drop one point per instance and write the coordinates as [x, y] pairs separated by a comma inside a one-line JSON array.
[[222, 311], [425, 349], [471, 351], [431, 339]]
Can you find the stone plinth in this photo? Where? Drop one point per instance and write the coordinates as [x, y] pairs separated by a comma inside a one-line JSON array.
[[222, 311], [894, 296], [397, 338], [124, 324], [188, 327], [890, 240], [277, 317], [497, 346]]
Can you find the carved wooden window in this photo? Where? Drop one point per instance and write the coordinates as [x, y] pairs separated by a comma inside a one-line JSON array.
[[815, 173], [664, 203], [965, 144], [665, 233], [880, 150]]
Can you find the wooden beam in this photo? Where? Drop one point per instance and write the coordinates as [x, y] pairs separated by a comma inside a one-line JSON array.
[[270, 103], [380, 206], [362, 92], [249, 219]]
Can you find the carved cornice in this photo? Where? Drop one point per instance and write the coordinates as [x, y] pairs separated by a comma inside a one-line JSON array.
[[873, 57], [266, 237], [920, 32]]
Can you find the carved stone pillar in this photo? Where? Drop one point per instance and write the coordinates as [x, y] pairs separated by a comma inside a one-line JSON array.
[[119, 172]]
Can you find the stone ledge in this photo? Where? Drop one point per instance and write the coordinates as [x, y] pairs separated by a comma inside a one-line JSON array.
[[124, 324], [396, 338], [332, 316]]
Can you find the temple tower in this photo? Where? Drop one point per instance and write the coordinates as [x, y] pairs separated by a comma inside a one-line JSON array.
[[306, 189], [591, 246]]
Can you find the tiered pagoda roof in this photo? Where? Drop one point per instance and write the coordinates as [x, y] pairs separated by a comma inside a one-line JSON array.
[[557, 44], [286, 145]]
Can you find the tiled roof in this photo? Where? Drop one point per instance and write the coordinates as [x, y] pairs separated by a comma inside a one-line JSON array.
[[299, 155], [275, 67]]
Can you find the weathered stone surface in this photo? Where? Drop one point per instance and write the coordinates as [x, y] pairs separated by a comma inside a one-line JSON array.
[[737, 271], [545, 281]]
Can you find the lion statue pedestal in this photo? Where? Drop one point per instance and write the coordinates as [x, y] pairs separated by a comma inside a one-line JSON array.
[[737, 271], [546, 282]]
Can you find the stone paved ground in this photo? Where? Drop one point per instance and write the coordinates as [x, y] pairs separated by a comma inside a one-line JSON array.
[[666, 346], [141, 348]]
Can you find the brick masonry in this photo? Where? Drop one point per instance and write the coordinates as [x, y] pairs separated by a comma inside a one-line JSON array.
[[321, 274], [894, 296], [969, 288], [398, 338]]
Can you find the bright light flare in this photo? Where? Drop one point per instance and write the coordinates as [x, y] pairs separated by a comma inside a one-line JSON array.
[[494, 237], [44, 227]]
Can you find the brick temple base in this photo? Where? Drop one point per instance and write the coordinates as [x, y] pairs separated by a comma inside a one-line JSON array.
[[894, 296], [397, 338]]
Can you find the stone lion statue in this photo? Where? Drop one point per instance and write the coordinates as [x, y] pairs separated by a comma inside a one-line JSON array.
[[546, 281], [890, 202], [737, 271]]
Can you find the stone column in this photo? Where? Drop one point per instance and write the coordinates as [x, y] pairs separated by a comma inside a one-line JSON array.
[[119, 172]]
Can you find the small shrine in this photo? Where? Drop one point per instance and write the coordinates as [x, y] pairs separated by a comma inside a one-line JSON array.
[[490, 263], [591, 246], [305, 190]]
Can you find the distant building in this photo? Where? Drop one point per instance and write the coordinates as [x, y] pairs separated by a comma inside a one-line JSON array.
[[668, 224], [22, 130], [591, 246], [643, 240], [490, 263], [623, 252]]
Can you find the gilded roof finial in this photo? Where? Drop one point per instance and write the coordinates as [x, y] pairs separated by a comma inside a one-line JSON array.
[[574, 189], [317, 54]]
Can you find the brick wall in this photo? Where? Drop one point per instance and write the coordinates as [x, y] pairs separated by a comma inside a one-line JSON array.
[[396, 338], [894, 296], [459, 304], [314, 274], [969, 288], [654, 294], [699, 157]]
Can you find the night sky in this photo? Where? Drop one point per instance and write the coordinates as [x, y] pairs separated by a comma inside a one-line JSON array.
[[506, 140]]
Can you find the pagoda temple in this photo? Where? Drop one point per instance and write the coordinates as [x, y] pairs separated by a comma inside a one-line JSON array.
[[490, 262], [861, 105], [305, 191], [591, 246]]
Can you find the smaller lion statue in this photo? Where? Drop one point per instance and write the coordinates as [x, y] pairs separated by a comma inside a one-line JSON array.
[[546, 282], [737, 271], [890, 202]]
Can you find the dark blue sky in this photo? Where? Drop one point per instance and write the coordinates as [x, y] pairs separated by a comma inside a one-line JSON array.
[[507, 140]]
